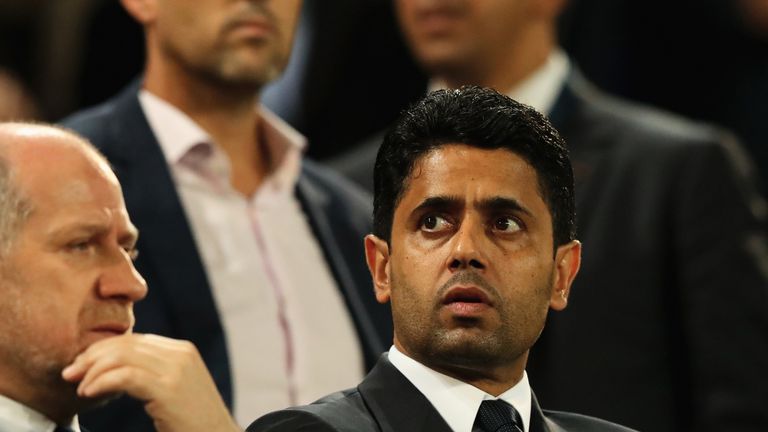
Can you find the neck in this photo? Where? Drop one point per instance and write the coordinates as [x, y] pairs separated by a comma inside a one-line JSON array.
[[226, 112], [530, 51]]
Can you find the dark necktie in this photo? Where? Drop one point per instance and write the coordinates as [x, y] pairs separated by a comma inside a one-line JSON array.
[[497, 416], [63, 429]]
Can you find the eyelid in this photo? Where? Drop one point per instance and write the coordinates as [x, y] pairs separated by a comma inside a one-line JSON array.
[[447, 223], [83, 241], [520, 224]]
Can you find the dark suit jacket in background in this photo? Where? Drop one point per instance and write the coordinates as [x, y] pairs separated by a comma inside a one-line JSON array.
[[667, 326], [387, 402], [180, 303]]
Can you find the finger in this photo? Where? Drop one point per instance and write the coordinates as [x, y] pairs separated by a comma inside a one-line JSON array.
[[84, 360], [135, 382], [104, 366], [120, 351]]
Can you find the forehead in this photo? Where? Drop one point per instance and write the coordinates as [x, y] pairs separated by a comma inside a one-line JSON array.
[[473, 174], [66, 183]]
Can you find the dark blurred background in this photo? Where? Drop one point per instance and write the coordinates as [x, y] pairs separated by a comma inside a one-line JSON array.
[[704, 59]]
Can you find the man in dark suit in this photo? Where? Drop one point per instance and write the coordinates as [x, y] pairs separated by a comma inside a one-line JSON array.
[[668, 312], [68, 288], [473, 243], [251, 251]]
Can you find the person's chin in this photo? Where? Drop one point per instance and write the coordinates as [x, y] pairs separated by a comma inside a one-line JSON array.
[[466, 345]]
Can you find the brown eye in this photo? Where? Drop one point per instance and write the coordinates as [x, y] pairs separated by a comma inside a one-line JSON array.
[[434, 223], [506, 225]]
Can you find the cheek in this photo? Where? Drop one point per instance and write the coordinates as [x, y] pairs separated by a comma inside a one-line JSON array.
[[45, 300], [287, 13], [528, 275], [42, 325], [411, 285], [187, 33], [424, 266], [57, 320]]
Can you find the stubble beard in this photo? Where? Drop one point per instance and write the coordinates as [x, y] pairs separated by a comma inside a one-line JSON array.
[[37, 366], [232, 71], [464, 346], [435, 344], [226, 69]]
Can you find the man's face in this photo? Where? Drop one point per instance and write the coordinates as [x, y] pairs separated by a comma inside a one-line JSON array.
[[455, 36], [67, 280], [234, 42], [470, 269]]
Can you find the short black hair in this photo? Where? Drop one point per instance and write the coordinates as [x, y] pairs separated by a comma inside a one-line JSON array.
[[477, 117]]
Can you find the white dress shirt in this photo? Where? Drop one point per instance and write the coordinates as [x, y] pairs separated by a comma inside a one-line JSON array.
[[541, 88], [15, 417], [289, 335], [456, 401]]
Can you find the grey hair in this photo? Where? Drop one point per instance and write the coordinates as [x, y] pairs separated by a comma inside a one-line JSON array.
[[14, 207]]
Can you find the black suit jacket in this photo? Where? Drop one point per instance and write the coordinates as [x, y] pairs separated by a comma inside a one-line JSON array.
[[667, 328], [385, 401], [180, 302]]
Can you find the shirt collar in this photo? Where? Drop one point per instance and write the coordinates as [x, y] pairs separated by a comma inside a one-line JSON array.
[[175, 131], [183, 141], [541, 88], [15, 416], [456, 401]]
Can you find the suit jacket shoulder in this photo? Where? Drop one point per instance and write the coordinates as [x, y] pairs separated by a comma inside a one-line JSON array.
[[387, 402], [339, 412], [558, 421]]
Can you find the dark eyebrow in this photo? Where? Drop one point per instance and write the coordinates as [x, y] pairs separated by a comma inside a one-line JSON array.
[[501, 204], [495, 204], [440, 203]]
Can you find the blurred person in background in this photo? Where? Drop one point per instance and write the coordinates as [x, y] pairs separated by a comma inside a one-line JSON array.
[[251, 251], [15, 101], [667, 329], [708, 62]]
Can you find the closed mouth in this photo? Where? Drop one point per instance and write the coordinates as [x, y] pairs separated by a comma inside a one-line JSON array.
[[471, 294]]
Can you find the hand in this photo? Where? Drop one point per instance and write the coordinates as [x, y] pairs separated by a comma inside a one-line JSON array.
[[167, 374]]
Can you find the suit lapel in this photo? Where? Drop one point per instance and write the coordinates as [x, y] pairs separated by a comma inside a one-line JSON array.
[[180, 292], [565, 103], [396, 404], [539, 422], [333, 232]]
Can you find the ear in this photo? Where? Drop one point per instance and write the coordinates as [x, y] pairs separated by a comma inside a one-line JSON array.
[[377, 256], [143, 11], [567, 263]]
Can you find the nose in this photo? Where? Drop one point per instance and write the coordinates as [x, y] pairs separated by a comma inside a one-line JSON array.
[[121, 280], [466, 248]]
